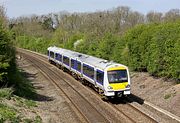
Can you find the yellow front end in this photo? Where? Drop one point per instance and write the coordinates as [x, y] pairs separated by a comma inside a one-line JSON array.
[[119, 81], [119, 86]]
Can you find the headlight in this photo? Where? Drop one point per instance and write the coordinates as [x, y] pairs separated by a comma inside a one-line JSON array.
[[109, 87], [128, 86]]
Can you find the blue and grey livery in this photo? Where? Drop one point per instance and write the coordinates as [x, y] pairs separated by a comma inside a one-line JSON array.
[[110, 78]]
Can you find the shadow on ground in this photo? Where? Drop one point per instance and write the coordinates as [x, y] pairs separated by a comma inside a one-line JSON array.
[[124, 100], [27, 88]]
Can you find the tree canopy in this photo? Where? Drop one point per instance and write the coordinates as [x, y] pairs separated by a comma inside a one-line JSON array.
[[143, 42]]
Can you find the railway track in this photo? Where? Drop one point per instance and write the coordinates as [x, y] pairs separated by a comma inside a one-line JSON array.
[[89, 112], [119, 112], [128, 109], [74, 96]]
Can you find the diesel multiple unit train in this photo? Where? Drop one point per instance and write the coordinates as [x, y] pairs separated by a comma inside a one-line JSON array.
[[109, 78]]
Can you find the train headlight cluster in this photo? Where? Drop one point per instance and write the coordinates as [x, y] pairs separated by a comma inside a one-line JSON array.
[[109, 87]]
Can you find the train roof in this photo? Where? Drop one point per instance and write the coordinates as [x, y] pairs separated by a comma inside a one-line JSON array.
[[91, 60]]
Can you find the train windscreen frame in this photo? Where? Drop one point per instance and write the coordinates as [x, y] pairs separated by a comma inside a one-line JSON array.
[[117, 76]]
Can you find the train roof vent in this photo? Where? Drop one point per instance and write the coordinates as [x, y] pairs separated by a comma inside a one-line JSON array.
[[104, 61], [110, 63]]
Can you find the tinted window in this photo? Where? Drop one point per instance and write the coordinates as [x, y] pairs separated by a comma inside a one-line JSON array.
[[66, 60], [58, 57], [117, 76], [88, 71], [78, 66], [73, 63], [100, 76]]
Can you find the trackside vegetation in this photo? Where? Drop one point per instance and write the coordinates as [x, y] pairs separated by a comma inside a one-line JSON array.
[[149, 43], [9, 74], [7, 57], [153, 48], [13, 85]]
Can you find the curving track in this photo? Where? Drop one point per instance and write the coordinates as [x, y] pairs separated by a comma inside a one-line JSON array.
[[88, 104], [88, 111]]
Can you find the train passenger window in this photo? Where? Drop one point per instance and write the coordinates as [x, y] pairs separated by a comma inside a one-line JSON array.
[[51, 54], [88, 71], [73, 63], [58, 57], [78, 66], [100, 76], [66, 60]]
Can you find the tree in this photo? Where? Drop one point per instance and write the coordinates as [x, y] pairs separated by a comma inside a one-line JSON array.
[[7, 57], [154, 17], [3, 17], [172, 15]]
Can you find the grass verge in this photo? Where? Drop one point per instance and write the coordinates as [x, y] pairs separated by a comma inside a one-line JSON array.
[[17, 99], [8, 114]]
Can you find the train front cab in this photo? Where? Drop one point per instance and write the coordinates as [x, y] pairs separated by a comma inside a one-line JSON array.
[[117, 82]]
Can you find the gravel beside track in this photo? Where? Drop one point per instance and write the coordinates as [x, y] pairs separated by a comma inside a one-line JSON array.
[[52, 105], [90, 112], [138, 116], [87, 104]]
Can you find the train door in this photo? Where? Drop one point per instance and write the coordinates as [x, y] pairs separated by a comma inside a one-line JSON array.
[[95, 77], [75, 64]]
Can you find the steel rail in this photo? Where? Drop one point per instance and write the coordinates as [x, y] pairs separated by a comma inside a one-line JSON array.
[[88, 118], [156, 108]]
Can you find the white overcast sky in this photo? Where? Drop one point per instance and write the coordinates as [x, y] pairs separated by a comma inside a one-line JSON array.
[[15, 8]]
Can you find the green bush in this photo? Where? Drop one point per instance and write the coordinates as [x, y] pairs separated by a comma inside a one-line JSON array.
[[22, 86], [106, 46], [7, 57], [32, 43], [6, 93], [69, 44], [7, 114], [155, 48]]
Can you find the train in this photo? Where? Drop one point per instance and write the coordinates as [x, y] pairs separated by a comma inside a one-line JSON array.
[[109, 79]]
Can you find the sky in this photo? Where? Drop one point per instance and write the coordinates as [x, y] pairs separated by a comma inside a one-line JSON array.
[[16, 8]]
